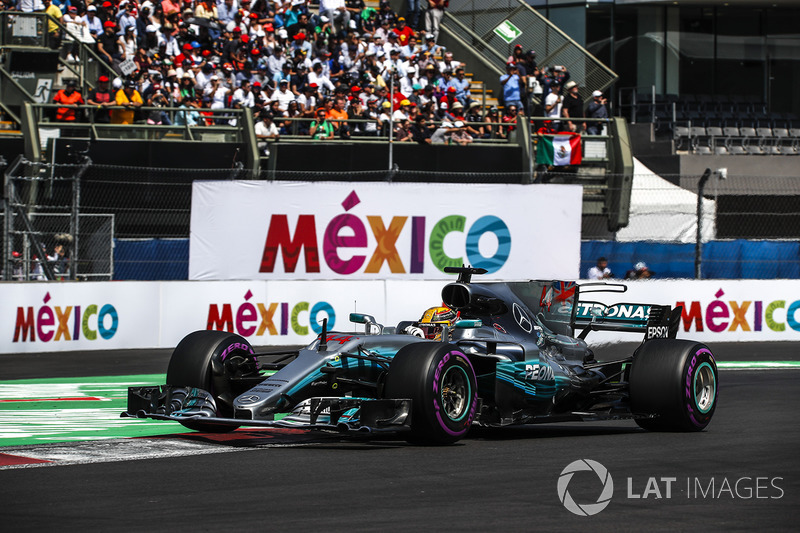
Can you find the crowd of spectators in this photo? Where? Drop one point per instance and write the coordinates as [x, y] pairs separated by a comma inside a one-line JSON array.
[[525, 83], [369, 70]]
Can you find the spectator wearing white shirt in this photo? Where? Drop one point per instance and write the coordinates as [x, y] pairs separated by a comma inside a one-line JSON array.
[[322, 81], [266, 131], [243, 95], [283, 95], [600, 270], [166, 38], [92, 21], [29, 6], [337, 13]]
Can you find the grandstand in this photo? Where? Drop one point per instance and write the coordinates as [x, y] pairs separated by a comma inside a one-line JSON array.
[[676, 127]]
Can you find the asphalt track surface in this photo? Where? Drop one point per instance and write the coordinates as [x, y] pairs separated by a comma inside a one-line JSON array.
[[741, 474]]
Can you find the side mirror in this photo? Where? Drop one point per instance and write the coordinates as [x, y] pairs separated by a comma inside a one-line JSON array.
[[371, 327], [360, 318]]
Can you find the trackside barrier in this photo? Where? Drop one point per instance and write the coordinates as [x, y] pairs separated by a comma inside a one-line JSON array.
[[70, 316]]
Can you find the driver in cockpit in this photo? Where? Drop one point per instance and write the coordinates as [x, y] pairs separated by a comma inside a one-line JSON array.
[[432, 323]]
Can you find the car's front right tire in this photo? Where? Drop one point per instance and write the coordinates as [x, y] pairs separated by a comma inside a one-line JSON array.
[[199, 361]]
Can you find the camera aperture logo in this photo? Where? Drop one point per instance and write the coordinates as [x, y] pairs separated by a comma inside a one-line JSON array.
[[585, 509]]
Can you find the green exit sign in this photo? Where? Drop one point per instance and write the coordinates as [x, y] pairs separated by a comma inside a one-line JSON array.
[[507, 31]]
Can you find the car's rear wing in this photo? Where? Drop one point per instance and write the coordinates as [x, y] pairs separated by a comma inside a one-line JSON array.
[[654, 321]]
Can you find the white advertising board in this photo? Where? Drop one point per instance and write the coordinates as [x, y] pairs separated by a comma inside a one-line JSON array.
[[719, 310], [286, 230], [55, 317], [50, 317], [289, 312]]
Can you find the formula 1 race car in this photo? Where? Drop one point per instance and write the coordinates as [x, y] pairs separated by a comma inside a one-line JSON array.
[[511, 357]]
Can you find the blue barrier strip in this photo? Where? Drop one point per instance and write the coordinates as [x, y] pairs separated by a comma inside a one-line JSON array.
[[736, 259], [150, 260], [168, 259]]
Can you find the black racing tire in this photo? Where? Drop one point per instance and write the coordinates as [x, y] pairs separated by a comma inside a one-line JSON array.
[[675, 380], [197, 361], [440, 381]]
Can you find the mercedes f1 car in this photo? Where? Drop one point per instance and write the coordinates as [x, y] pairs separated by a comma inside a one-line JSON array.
[[515, 354]]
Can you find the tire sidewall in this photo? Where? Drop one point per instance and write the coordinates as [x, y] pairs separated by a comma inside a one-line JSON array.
[[198, 361], [662, 383], [450, 362], [694, 416], [417, 372]]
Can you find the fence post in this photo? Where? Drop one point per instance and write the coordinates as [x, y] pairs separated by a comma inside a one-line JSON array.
[[698, 246], [75, 217], [7, 245]]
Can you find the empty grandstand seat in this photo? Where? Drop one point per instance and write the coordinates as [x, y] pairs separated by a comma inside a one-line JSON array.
[[733, 143], [699, 140], [748, 137], [730, 131], [766, 141], [783, 141], [794, 135], [682, 137]]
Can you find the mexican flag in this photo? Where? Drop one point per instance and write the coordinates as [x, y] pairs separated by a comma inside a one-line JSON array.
[[559, 150]]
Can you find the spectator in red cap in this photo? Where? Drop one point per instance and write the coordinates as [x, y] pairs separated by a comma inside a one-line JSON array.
[[106, 12], [102, 99], [231, 48], [516, 55], [108, 44]]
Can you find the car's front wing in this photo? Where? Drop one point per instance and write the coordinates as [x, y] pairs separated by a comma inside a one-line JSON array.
[[188, 404]]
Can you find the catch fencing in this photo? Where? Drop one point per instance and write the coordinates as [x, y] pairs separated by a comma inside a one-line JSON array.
[[133, 223]]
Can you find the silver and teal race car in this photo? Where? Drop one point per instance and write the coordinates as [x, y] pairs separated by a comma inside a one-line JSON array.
[[514, 353]]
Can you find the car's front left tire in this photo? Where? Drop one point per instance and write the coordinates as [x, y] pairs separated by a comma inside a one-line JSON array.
[[440, 381]]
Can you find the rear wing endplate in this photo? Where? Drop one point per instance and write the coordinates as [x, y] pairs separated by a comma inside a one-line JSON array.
[[654, 321]]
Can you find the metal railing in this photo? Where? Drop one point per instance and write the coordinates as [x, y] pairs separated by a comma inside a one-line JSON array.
[[29, 31], [483, 22]]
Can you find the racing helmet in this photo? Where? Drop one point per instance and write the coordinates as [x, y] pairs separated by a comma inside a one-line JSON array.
[[434, 319]]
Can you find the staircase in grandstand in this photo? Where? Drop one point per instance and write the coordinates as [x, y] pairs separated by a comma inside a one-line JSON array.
[[31, 71]]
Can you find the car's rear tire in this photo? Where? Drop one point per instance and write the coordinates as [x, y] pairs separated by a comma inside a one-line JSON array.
[[198, 361], [674, 383], [440, 381]]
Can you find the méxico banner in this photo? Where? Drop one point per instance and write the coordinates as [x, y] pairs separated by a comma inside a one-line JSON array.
[[247, 230], [559, 150], [71, 317]]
